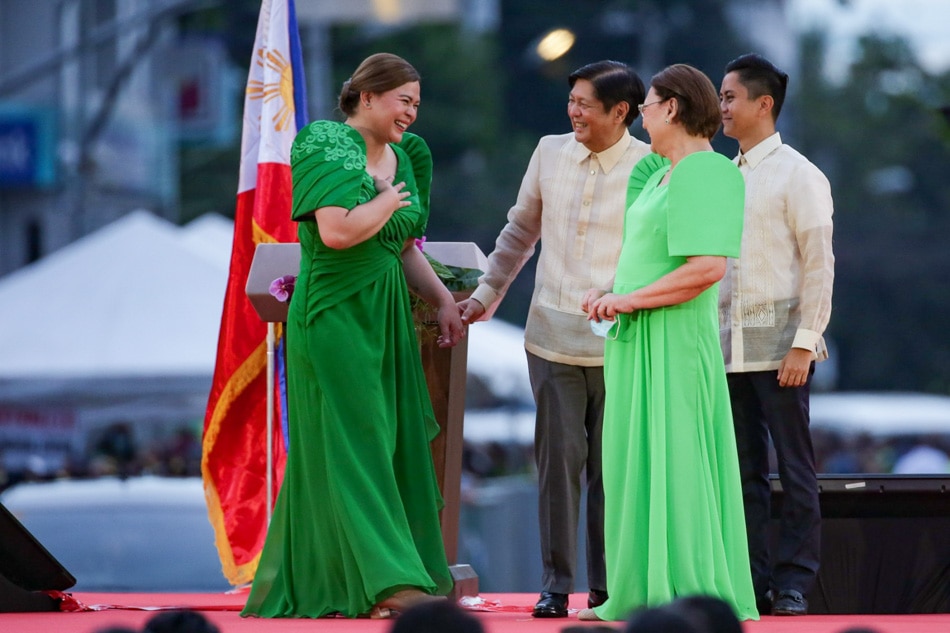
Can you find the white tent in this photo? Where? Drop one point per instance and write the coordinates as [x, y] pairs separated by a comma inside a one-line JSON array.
[[122, 325], [135, 299], [881, 414]]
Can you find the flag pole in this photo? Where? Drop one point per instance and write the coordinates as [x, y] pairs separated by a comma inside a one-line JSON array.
[[270, 419]]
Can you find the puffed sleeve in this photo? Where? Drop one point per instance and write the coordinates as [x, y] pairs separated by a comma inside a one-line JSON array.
[[706, 206], [645, 168], [328, 165], [420, 157]]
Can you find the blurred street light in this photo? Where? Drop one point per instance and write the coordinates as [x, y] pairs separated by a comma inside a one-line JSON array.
[[555, 44]]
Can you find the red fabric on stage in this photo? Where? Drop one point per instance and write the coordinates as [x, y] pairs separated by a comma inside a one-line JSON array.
[[510, 614]]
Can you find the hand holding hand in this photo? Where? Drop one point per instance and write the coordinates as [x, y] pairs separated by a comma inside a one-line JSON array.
[[451, 329], [471, 310]]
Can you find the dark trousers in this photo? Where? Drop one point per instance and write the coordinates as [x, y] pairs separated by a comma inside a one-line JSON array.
[[567, 440], [760, 408]]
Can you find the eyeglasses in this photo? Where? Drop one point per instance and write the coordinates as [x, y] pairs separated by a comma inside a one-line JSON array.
[[643, 106]]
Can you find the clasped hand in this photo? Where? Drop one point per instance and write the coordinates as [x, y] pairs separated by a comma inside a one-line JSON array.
[[600, 304]]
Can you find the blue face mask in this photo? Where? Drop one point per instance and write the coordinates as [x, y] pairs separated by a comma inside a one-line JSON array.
[[605, 329]]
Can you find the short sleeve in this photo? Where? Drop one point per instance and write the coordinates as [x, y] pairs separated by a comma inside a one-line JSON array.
[[420, 158], [645, 169], [328, 164], [706, 206]]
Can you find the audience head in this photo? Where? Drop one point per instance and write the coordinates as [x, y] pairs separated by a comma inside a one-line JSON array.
[[436, 616], [708, 613], [182, 621], [663, 619]]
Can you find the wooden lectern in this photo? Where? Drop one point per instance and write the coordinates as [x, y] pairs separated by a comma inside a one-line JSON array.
[[445, 372]]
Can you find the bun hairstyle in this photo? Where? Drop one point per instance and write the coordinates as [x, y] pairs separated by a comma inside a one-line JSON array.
[[377, 74]]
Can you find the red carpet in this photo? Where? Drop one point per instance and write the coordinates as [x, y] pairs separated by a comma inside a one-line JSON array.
[[511, 613]]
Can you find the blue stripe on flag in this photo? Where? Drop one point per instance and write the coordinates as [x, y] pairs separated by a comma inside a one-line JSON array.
[[296, 62], [281, 354]]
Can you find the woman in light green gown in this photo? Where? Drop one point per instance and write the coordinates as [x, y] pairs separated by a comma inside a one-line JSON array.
[[674, 521], [355, 528]]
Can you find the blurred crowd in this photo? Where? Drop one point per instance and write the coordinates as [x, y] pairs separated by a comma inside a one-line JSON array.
[[116, 452], [835, 454]]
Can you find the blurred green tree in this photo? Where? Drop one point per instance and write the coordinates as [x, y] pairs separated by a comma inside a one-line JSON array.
[[879, 135], [878, 130]]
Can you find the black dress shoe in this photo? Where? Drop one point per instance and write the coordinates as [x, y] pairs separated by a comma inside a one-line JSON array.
[[595, 598], [789, 602], [551, 605]]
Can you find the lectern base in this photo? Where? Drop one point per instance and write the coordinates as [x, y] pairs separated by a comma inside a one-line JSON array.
[[466, 582]]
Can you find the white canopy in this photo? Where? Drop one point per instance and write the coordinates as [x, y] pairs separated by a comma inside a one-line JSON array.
[[119, 326], [881, 413], [122, 325], [137, 298]]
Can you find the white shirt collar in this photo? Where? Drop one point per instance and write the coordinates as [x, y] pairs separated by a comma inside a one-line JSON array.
[[758, 153]]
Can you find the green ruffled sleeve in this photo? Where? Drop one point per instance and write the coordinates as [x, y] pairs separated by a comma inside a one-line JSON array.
[[420, 157], [645, 168], [706, 206], [328, 165]]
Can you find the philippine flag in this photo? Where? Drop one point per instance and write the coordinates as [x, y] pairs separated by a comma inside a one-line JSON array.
[[234, 460]]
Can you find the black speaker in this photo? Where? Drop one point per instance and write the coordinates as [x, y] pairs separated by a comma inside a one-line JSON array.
[[885, 544], [27, 569]]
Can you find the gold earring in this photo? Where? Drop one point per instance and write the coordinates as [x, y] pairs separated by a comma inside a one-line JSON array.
[[667, 121]]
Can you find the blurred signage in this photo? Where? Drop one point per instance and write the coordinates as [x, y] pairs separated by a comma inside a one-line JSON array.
[[385, 11], [26, 148], [35, 441], [204, 89]]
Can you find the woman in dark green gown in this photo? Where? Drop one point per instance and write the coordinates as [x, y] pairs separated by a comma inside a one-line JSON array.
[[355, 529]]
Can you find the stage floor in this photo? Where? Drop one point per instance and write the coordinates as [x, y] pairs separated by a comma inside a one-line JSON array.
[[506, 613]]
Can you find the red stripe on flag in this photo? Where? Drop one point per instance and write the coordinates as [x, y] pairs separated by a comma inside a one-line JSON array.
[[234, 458], [272, 212]]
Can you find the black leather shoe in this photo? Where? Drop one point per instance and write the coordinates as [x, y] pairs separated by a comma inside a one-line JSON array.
[[551, 605], [764, 604], [789, 602], [595, 598]]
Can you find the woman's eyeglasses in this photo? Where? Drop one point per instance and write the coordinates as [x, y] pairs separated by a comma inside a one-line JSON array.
[[643, 106]]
